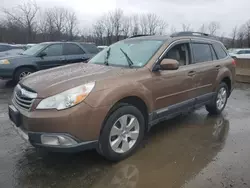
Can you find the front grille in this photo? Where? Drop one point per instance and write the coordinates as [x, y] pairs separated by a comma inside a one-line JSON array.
[[23, 98]]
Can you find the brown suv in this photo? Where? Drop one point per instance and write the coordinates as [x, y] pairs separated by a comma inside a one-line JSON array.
[[111, 102]]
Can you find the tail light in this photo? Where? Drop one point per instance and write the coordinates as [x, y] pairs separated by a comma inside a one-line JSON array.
[[234, 63]]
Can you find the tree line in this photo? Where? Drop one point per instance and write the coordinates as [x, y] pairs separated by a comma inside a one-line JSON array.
[[29, 23]]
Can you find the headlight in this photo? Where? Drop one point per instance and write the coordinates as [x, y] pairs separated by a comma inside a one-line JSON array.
[[4, 62], [67, 98]]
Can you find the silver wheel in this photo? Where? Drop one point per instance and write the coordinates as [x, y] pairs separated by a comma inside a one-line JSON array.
[[24, 74], [221, 98], [124, 133]]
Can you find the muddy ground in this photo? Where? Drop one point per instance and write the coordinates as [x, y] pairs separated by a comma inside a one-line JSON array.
[[196, 150]]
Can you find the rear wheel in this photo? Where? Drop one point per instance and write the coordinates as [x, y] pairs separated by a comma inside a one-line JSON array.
[[219, 102], [22, 73], [122, 133]]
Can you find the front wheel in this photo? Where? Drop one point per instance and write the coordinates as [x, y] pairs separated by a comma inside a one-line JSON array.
[[122, 133], [219, 102], [22, 73]]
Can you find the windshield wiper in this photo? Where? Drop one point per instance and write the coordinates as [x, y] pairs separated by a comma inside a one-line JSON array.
[[130, 62], [107, 57]]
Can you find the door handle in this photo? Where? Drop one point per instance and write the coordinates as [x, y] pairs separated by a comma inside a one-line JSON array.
[[218, 67], [191, 73]]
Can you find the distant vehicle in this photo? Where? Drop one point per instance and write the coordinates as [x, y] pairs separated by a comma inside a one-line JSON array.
[[101, 47], [10, 50], [44, 56], [240, 53], [29, 46]]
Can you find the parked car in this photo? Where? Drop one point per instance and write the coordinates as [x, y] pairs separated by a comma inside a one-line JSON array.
[[44, 56], [240, 53], [111, 102], [10, 50], [101, 47]]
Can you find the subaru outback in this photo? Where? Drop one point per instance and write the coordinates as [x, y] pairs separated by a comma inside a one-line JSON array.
[[110, 103]]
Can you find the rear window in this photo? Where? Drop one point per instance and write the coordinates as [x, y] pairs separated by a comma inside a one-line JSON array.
[[90, 48], [221, 53], [202, 52]]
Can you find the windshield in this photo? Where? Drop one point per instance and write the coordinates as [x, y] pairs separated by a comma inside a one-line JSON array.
[[139, 51], [34, 49]]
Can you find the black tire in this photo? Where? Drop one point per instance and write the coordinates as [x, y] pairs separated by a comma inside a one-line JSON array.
[[19, 72], [212, 108], [104, 145]]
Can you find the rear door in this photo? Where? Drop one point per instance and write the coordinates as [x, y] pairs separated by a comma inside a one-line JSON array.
[[73, 53], [206, 69], [54, 57]]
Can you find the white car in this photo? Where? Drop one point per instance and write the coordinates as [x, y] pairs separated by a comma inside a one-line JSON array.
[[101, 47], [240, 53]]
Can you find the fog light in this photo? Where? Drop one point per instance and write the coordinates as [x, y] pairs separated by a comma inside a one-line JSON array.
[[57, 140]]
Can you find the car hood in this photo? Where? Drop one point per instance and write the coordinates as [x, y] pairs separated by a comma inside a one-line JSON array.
[[53, 81], [14, 57]]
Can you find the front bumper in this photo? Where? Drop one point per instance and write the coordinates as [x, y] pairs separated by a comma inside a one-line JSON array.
[[6, 72], [81, 123], [35, 139]]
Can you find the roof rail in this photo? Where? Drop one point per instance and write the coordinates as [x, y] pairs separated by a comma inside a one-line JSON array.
[[190, 33], [134, 36]]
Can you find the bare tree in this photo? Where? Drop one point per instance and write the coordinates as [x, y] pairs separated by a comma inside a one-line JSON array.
[[234, 35], [59, 16], [24, 15], [241, 36], [135, 30], [173, 29], [213, 27], [247, 32], [116, 18], [126, 26], [203, 28], [71, 24], [99, 30], [143, 24], [186, 27], [108, 27]]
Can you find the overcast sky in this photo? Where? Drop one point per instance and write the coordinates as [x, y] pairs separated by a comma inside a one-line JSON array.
[[175, 12]]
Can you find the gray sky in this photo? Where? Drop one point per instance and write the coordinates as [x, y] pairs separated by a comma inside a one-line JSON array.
[[175, 12]]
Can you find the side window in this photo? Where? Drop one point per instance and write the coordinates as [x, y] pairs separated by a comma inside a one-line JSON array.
[[179, 52], [219, 51], [72, 49], [4, 48], [213, 53], [54, 50], [241, 52], [247, 51], [202, 52]]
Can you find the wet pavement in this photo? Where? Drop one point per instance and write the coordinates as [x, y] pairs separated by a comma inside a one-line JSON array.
[[196, 150]]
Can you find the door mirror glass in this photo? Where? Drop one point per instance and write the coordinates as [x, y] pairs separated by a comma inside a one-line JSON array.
[[42, 54], [169, 64]]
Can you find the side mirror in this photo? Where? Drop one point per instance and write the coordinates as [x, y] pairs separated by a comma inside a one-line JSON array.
[[42, 54], [169, 64]]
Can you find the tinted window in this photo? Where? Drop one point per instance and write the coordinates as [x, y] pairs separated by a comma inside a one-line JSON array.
[[54, 50], [91, 48], [4, 48], [202, 52], [72, 49], [219, 51], [213, 53], [247, 51]]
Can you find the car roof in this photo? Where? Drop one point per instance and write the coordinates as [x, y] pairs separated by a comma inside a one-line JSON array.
[[176, 36]]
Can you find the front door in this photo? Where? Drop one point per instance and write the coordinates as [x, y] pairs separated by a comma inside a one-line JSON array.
[[173, 89], [53, 57]]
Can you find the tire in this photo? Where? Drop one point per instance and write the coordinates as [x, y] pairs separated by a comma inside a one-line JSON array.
[[215, 109], [126, 145], [21, 71]]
